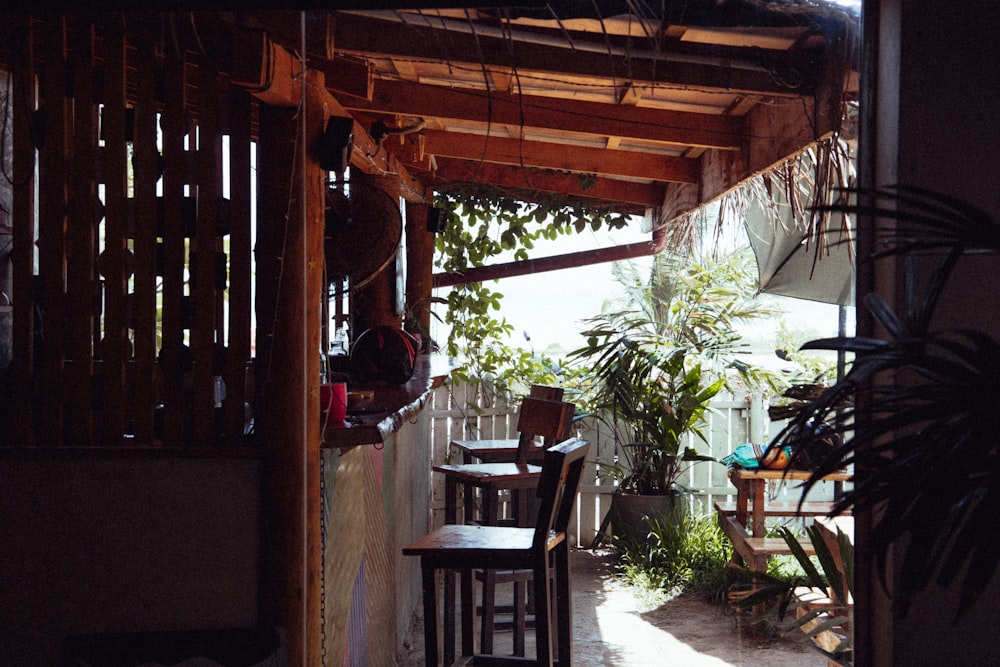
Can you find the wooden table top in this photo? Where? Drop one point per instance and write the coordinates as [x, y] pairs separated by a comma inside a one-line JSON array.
[[765, 473], [493, 473]]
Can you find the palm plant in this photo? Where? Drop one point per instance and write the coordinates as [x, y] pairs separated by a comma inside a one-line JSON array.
[[920, 410], [652, 368], [820, 608]]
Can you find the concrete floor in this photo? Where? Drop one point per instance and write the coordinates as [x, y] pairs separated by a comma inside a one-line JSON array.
[[611, 629]]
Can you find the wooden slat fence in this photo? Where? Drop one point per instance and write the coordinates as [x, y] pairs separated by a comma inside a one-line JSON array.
[[734, 418], [127, 290]]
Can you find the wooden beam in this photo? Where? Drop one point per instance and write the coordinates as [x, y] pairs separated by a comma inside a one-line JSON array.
[[271, 73], [347, 75], [669, 127], [615, 192], [478, 274], [546, 155], [699, 69]]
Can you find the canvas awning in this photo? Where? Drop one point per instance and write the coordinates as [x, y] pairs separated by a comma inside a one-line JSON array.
[[788, 263]]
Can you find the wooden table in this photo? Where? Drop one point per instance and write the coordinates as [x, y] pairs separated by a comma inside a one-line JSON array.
[[744, 522], [751, 492], [490, 480]]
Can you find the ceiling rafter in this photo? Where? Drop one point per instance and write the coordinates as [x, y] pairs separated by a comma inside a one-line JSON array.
[[665, 126], [545, 155], [621, 195]]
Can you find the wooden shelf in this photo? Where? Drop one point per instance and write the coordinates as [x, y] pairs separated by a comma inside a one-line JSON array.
[[390, 407]]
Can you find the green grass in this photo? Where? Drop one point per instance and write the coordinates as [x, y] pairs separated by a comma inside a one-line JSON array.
[[686, 553]]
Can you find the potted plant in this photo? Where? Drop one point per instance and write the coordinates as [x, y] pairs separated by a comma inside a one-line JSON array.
[[649, 371]]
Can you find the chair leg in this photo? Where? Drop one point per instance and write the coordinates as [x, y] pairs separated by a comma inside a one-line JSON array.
[[468, 612], [519, 614], [564, 606], [543, 615], [489, 611], [429, 581]]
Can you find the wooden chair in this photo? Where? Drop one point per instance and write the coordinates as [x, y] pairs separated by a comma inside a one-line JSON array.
[[543, 549], [537, 418], [503, 450]]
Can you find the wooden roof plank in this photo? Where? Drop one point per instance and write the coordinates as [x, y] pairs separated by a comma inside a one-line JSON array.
[[421, 40], [672, 127], [548, 155], [602, 189]]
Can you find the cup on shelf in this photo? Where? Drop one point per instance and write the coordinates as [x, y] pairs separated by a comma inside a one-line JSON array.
[[333, 402]]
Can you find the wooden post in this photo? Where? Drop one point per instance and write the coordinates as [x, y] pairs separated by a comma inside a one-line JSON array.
[[374, 304], [419, 270], [291, 236]]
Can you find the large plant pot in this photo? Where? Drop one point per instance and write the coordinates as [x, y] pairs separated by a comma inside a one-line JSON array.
[[629, 513]]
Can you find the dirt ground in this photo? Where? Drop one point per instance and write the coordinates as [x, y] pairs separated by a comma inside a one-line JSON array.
[[611, 628]]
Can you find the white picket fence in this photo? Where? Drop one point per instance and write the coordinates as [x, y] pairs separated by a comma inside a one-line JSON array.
[[734, 418]]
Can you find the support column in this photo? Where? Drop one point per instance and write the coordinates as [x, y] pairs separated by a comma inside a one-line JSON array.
[[374, 303], [419, 272], [290, 261]]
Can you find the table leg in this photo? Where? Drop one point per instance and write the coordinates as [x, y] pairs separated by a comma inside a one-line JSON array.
[[490, 502], [468, 614], [742, 501], [759, 486], [450, 517], [430, 615]]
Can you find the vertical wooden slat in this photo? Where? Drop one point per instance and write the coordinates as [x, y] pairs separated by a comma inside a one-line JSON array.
[[203, 289], [145, 175], [114, 349], [23, 254], [173, 364], [52, 228], [240, 270], [80, 232]]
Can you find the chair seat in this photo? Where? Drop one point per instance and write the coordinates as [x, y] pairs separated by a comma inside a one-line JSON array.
[[510, 475], [495, 451], [488, 546]]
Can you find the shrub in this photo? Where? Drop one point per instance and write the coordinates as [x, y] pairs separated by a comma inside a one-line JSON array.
[[682, 553]]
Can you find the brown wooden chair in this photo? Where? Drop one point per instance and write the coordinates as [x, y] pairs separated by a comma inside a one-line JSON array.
[[544, 550], [504, 450], [551, 421]]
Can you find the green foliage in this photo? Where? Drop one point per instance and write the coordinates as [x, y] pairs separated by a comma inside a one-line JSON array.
[[482, 225], [649, 371], [685, 553], [813, 368], [922, 417], [783, 594]]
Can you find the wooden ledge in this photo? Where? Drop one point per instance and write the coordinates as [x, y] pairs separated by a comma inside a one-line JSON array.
[[810, 508], [390, 407]]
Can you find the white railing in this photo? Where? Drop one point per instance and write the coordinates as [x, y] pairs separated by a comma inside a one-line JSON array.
[[734, 418]]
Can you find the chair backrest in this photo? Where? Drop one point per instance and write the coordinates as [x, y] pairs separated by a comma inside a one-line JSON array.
[[538, 418], [557, 487], [546, 392]]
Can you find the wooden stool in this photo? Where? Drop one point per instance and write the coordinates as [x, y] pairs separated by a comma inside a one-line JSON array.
[[544, 550]]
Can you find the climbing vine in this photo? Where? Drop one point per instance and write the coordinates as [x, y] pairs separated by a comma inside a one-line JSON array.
[[484, 226]]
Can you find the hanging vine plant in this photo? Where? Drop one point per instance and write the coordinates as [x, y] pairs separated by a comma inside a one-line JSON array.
[[484, 224]]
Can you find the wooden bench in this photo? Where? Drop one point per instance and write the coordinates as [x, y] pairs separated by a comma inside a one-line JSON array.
[[743, 521], [812, 508], [754, 551]]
